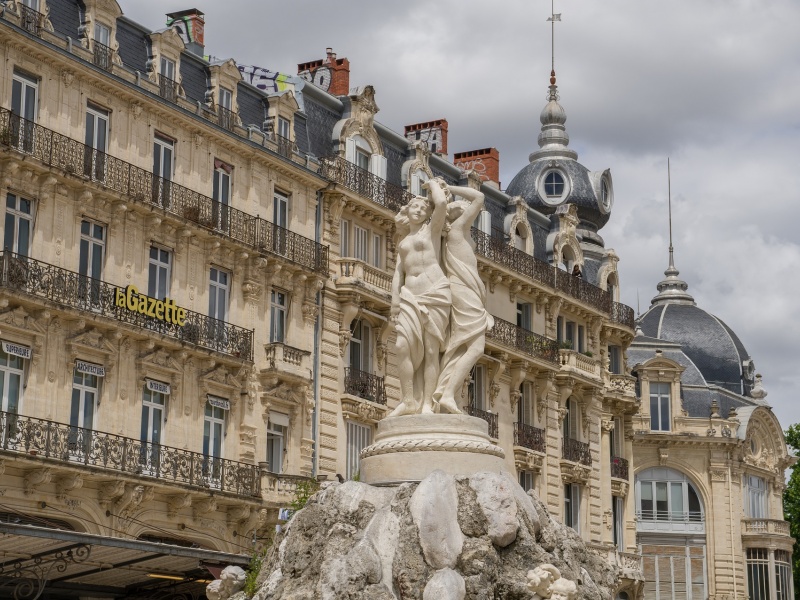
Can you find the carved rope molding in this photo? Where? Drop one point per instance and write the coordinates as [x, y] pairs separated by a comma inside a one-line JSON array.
[[431, 446]]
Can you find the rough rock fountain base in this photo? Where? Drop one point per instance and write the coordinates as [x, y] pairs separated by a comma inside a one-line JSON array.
[[412, 447], [477, 537]]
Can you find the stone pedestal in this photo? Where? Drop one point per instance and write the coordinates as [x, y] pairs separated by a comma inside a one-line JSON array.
[[410, 448]]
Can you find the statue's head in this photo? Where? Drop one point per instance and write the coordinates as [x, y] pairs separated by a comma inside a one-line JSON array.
[[419, 209], [563, 589], [541, 577], [455, 209]]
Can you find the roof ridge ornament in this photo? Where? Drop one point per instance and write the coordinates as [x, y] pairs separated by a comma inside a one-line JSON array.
[[671, 289]]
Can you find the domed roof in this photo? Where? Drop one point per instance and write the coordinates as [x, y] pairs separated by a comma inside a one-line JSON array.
[[555, 177], [714, 349]]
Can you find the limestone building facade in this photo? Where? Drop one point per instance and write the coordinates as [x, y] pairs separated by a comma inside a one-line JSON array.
[[195, 292], [709, 458]]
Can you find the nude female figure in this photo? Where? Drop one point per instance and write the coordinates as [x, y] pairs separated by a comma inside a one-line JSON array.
[[469, 319], [420, 298]]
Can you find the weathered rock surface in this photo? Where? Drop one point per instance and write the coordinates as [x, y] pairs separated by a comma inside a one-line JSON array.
[[463, 538]]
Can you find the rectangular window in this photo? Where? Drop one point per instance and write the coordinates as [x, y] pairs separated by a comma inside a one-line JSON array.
[[153, 405], [344, 239], [167, 68], [34, 4], [377, 250], [484, 223], [572, 506], [163, 156], [525, 404], [360, 244], [225, 98], [12, 371], [278, 302], [280, 217], [560, 329], [358, 437], [617, 514], [277, 434], [218, 293], [221, 194], [96, 141], [617, 437], [569, 334], [615, 360], [18, 225], [659, 406], [82, 413], [24, 109], [524, 316], [283, 128], [783, 575], [90, 261], [102, 34], [167, 86], [571, 423], [581, 342], [213, 434], [758, 574], [362, 159], [755, 500], [159, 272], [526, 480], [360, 346], [477, 387]]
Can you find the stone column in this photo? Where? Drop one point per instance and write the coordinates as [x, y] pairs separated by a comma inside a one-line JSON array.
[[606, 425]]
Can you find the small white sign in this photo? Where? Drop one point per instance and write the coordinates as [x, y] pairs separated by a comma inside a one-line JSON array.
[[90, 368], [158, 386], [219, 402], [17, 350]]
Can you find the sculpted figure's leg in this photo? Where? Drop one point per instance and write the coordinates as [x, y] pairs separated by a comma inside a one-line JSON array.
[[463, 366], [405, 372], [431, 372]]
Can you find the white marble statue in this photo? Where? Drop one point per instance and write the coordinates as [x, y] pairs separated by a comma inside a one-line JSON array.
[[546, 583], [438, 298]]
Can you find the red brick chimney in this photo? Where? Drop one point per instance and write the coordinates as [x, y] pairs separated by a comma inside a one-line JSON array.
[[330, 74], [485, 162], [433, 133]]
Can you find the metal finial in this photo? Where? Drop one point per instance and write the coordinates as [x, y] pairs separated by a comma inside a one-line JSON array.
[[553, 18], [669, 203]]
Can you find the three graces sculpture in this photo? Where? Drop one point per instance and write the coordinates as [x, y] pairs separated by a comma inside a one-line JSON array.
[[438, 298]]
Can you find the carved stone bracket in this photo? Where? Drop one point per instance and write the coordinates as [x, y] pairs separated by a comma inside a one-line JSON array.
[[68, 483], [34, 478], [203, 507], [177, 502], [575, 473], [526, 460]]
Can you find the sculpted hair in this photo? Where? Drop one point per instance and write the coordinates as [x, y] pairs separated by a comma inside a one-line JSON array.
[[401, 222]]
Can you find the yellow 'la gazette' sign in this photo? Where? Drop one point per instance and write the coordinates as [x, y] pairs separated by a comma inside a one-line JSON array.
[[164, 310]]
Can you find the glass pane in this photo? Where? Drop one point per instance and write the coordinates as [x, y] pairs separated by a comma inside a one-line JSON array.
[[206, 436], [75, 408], [676, 496], [88, 410], [16, 97], [217, 446], [30, 103], [654, 414], [662, 506], [23, 244], [97, 261], [694, 505], [157, 416], [145, 419], [14, 387], [89, 130], [665, 413]]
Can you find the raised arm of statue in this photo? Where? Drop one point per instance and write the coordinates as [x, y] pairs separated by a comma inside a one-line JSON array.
[[476, 200]]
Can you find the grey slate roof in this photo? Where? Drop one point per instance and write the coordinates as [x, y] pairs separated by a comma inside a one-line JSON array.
[[133, 45], [251, 105], [194, 77], [66, 17]]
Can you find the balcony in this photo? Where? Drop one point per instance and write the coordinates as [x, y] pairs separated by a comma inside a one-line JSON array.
[[653, 521], [579, 363], [619, 467], [498, 250], [763, 527], [59, 151], [31, 20], [168, 89], [102, 56], [288, 363], [226, 118], [583, 291], [280, 488], [490, 418], [285, 146], [623, 315], [361, 181], [524, 341], [532, 438], [74, 446], [576, 452], [31, 277], [364, 385], [353, 271]]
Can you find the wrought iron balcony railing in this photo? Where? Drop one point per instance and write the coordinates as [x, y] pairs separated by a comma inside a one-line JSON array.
[[622, 314], [619, 467], [529, 437], [671, 516], [497, 249], [226, 118], [364, 385], [533, 344], [102, 55], [64, 153], [67, 288], [99, 450], [167, 88], [489, 417], [361, 181], [31, 20], [285, 146], [583, 290], [575, 451]]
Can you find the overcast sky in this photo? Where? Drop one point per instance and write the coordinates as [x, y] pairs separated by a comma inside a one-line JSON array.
[[713, 84]]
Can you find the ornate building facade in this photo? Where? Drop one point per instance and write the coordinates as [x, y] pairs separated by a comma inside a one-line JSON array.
[[195, 292], [709, 459]]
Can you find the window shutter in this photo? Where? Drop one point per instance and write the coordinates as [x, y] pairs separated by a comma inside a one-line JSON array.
[[350, 150], [485, 222], [415, 183], [377, 165], [576, 507], [574, 417]]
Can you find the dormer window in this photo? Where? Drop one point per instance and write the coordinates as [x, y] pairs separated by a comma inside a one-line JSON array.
[[554, 185], [102, 34], [225, 98], [359, 152], [659, 406], [167, 68], [362, 159], [284, 128]]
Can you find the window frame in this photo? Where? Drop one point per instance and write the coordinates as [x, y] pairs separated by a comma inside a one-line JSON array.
[[755, 498], [277, 434], [572, 506], [170, 70], [16, 214], [7, 372], [663, 402], [476, 388], [278, 311], [158, 265], [355, 446]]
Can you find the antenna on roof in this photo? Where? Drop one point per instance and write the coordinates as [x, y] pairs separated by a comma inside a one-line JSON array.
[[638, 308], [669, 203], [552, 19]]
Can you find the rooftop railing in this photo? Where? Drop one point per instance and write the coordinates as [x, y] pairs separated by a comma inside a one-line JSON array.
[[361, 181], [622, 314], [533, 344], [364, 385], [67, 288], [498, 250], [489, 417], [619, 467], [167, 88], [528, 436], [575, 451], [78, 446], [102, 55], [64, 153], [31, 20]]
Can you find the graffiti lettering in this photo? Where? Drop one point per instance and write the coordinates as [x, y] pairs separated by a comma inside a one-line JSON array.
[[474, 165], [266, 80]]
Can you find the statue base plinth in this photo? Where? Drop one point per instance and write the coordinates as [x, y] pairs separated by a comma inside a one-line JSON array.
[[409, 448]]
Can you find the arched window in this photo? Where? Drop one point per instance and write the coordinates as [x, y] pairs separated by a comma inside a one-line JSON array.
[[359, 152], [667, 501]]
